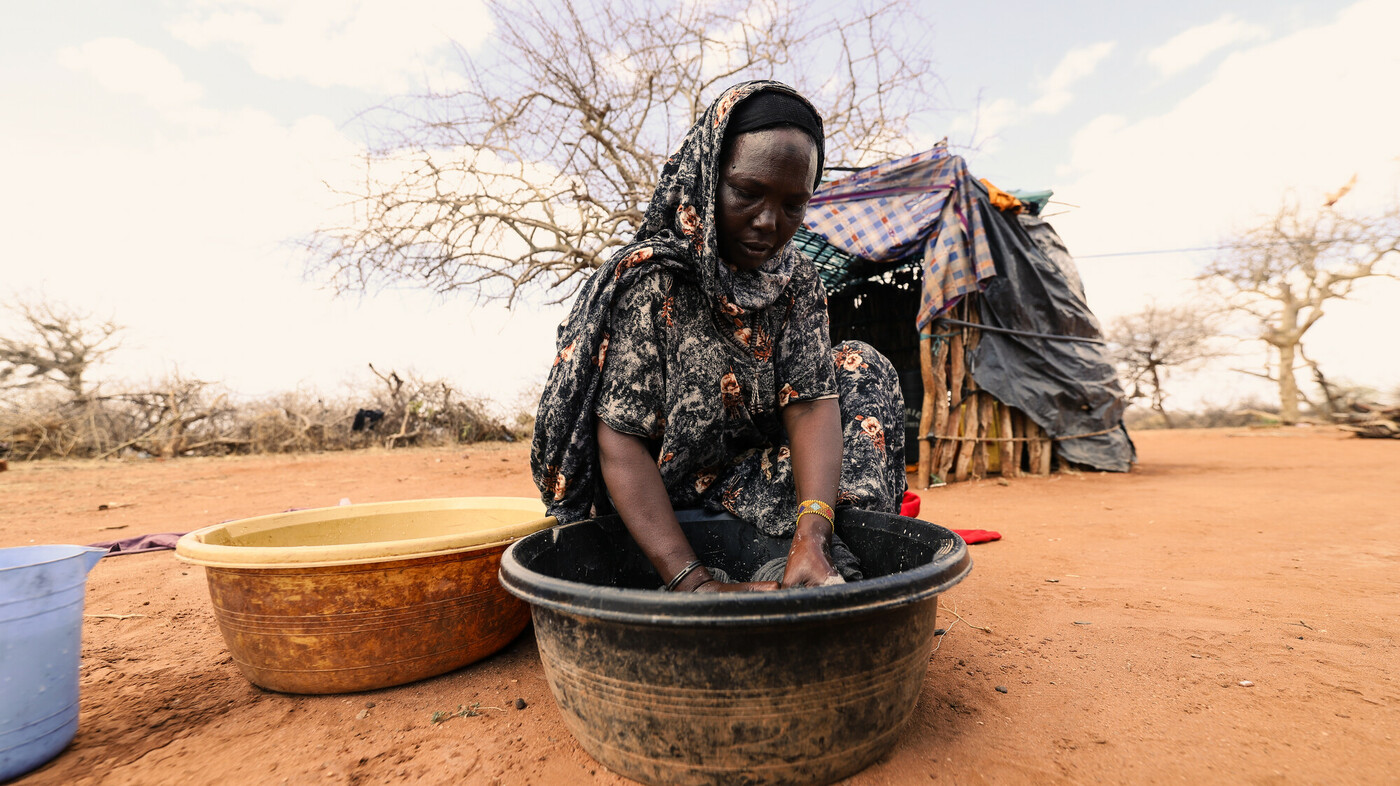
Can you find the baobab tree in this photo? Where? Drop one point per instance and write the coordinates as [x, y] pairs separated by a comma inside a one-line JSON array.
[[1284, 272], [51, 342], [540, 164]]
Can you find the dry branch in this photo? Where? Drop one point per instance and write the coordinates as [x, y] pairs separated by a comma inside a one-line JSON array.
[[1284, 272], [540, 165]]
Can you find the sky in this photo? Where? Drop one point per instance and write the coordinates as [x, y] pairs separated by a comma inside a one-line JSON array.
[[161, 158]]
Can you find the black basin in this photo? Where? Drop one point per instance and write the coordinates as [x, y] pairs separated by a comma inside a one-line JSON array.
[[796, 686]]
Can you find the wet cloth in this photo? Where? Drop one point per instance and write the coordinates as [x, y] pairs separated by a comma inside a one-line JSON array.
[[140, 544], [668, 343]]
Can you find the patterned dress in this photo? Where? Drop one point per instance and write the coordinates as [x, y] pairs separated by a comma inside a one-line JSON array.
[[705, 389], [668, 343]]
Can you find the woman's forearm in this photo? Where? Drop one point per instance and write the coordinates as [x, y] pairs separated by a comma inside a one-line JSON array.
[[814, 434], [638, 493]]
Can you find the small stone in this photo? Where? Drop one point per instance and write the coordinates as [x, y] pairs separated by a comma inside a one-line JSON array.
[[362, 715], [520, 704], [1001, 689], [369, 704], [1194, 655], [940, 631], [1246, 684], [1077, 622], [1052, 581], [1003, 482]]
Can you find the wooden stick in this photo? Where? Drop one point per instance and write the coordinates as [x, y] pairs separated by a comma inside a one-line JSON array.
[[974, 335], [940, 401], [1033, 445], [921, 478], [975, 428], [957, 375], [1009, 467], [981, 454], [1018, 434], [943, 448], [971, 428], [1047, 451], [948, 448]]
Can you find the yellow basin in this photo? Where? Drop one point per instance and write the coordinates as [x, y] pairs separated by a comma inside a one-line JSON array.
[[358, 597]]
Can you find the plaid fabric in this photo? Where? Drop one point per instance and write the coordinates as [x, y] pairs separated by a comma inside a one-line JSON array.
[[917, 205]]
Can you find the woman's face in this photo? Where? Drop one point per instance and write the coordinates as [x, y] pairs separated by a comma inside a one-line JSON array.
[[765, 181]]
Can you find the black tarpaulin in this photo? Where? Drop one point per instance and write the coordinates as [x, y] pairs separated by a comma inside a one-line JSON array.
[[1068, 387]]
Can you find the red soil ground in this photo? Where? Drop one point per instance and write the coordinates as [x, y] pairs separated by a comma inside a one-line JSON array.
[[1120, 612]]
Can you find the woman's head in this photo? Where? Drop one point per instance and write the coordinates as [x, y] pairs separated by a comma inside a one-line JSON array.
[[755, 144], [765, 180], [770, 162]]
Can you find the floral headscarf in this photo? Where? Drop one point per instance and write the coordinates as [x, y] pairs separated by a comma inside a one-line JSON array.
[[678, 233]]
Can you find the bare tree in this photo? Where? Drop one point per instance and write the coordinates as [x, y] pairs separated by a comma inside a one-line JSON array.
[[1147, 345], [54, 343], [540, 163], [1284, 272]]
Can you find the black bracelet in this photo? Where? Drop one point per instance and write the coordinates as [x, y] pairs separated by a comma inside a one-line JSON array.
[[686, 571]]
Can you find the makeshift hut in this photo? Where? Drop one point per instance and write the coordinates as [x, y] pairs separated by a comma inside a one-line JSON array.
[[977, 302]]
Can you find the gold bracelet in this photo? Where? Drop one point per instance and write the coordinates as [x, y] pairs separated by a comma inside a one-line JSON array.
[[818, 507]]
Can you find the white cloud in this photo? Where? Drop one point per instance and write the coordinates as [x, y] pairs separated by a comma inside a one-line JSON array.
[[126, 67], [1191, 46], [981, 128], [1299, 113], [181, 233], [383, 46], [1055, 89]]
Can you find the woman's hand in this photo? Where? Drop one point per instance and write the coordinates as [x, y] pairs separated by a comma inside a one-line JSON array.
[[809, 559]]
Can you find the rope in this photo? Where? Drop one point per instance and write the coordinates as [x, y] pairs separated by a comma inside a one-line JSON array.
[[1026, 333], [953, 438], [1090, 434]]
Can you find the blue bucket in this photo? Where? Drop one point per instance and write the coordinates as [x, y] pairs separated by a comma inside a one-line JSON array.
[[41, 628]]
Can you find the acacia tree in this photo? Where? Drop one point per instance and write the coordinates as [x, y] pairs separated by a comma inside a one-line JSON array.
[[540, 163], [1147, 345], [54, 343], [1285, 271]]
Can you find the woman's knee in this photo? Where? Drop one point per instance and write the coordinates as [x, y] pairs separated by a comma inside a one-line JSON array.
[[854, 353]]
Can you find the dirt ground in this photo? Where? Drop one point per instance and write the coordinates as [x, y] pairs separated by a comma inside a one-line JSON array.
[[1121, 613]]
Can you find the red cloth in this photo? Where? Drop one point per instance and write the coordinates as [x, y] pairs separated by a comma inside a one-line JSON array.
[[972, 536], [909, 506]]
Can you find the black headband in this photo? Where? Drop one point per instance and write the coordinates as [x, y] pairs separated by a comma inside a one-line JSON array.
[[769, 108]]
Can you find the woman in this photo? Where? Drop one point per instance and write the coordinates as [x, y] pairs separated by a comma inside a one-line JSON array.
[[695, 368]]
